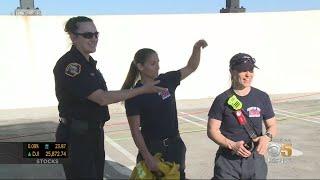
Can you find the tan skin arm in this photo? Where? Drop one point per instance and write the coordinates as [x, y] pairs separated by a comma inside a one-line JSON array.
[[104, 98], [194, 60], [151, 162], [271, 126], [214, 133]]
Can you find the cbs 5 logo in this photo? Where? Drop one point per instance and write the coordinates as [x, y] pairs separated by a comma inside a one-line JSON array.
[[275, 150], [286, 150]]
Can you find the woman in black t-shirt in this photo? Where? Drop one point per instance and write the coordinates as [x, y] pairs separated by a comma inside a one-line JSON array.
[[156, 113], [241, 151]]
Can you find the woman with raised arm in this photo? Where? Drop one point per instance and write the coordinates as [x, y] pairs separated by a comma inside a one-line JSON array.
[[156, 113]]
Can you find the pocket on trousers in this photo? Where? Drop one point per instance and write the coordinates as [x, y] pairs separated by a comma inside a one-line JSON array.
[[218, 154], [261, 167]]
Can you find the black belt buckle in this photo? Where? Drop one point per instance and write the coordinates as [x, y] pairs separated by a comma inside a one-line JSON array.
[[249, 146], [164, 142]]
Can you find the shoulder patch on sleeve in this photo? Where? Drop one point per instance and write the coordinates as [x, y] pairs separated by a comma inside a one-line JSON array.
[[73, 69]]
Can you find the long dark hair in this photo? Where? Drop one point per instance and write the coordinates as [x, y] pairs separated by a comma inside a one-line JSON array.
[[133, 74]]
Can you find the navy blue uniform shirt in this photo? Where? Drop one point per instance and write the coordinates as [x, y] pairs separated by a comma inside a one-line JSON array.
[[75, 80], [158, 111], [256, 105]]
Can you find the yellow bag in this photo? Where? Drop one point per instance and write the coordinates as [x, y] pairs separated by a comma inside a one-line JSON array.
[[169, 170]]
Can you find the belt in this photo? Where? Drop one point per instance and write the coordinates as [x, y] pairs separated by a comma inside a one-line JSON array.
[[230, 154], [68, 122], [165, 141]]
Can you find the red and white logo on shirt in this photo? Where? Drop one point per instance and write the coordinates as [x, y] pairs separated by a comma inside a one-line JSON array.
[[164, 94], [254, 111]]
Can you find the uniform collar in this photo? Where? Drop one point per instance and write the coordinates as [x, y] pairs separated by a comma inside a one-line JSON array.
[[139, 83], [81, 58]]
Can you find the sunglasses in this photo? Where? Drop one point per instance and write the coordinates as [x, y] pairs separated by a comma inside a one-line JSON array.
[[88, 35]]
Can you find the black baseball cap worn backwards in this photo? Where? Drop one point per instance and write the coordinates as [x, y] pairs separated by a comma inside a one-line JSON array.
[[242, 62]]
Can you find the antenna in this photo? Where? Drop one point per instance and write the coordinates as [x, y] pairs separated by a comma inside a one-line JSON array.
[[232, 6], [26, 8]]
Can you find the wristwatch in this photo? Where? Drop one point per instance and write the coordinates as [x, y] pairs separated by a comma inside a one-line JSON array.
[[268, 134]]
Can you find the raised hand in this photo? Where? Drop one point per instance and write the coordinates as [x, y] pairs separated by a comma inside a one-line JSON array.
[[200, 44]]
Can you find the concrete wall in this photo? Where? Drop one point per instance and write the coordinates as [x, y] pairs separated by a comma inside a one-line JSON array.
[[285, 45]]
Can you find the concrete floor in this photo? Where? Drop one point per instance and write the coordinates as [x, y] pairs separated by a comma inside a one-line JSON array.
[[298, 121]]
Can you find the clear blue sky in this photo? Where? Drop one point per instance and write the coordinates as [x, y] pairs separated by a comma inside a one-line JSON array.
[[92, 7]]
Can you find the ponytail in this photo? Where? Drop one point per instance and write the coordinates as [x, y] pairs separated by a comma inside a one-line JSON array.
[[133, 74], [132, 77]]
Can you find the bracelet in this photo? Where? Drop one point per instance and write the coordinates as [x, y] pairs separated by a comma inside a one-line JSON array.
[[269, 135]]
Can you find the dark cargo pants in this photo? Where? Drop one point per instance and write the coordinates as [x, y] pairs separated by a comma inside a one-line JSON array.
[[86, 152], [231, 166]]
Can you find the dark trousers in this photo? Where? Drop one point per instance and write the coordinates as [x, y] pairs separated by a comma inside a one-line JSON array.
[[86, 152], [231, 166], [174, 152]]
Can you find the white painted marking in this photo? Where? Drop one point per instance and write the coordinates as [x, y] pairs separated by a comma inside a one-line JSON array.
[[296, 152], [299, 114], [120, 149], [196, 117], [185, 119], [303, 119], [106, 157]]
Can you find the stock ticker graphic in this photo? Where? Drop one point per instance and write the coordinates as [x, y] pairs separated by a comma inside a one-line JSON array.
[[33, 152]]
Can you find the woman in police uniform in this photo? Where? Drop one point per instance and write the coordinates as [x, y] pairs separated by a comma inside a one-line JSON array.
[[156, 113], [234, 160], [83, 98]]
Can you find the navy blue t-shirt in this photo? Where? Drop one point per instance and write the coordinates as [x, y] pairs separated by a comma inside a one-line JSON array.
[[256, 105], [75, 79], [158, 111]]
